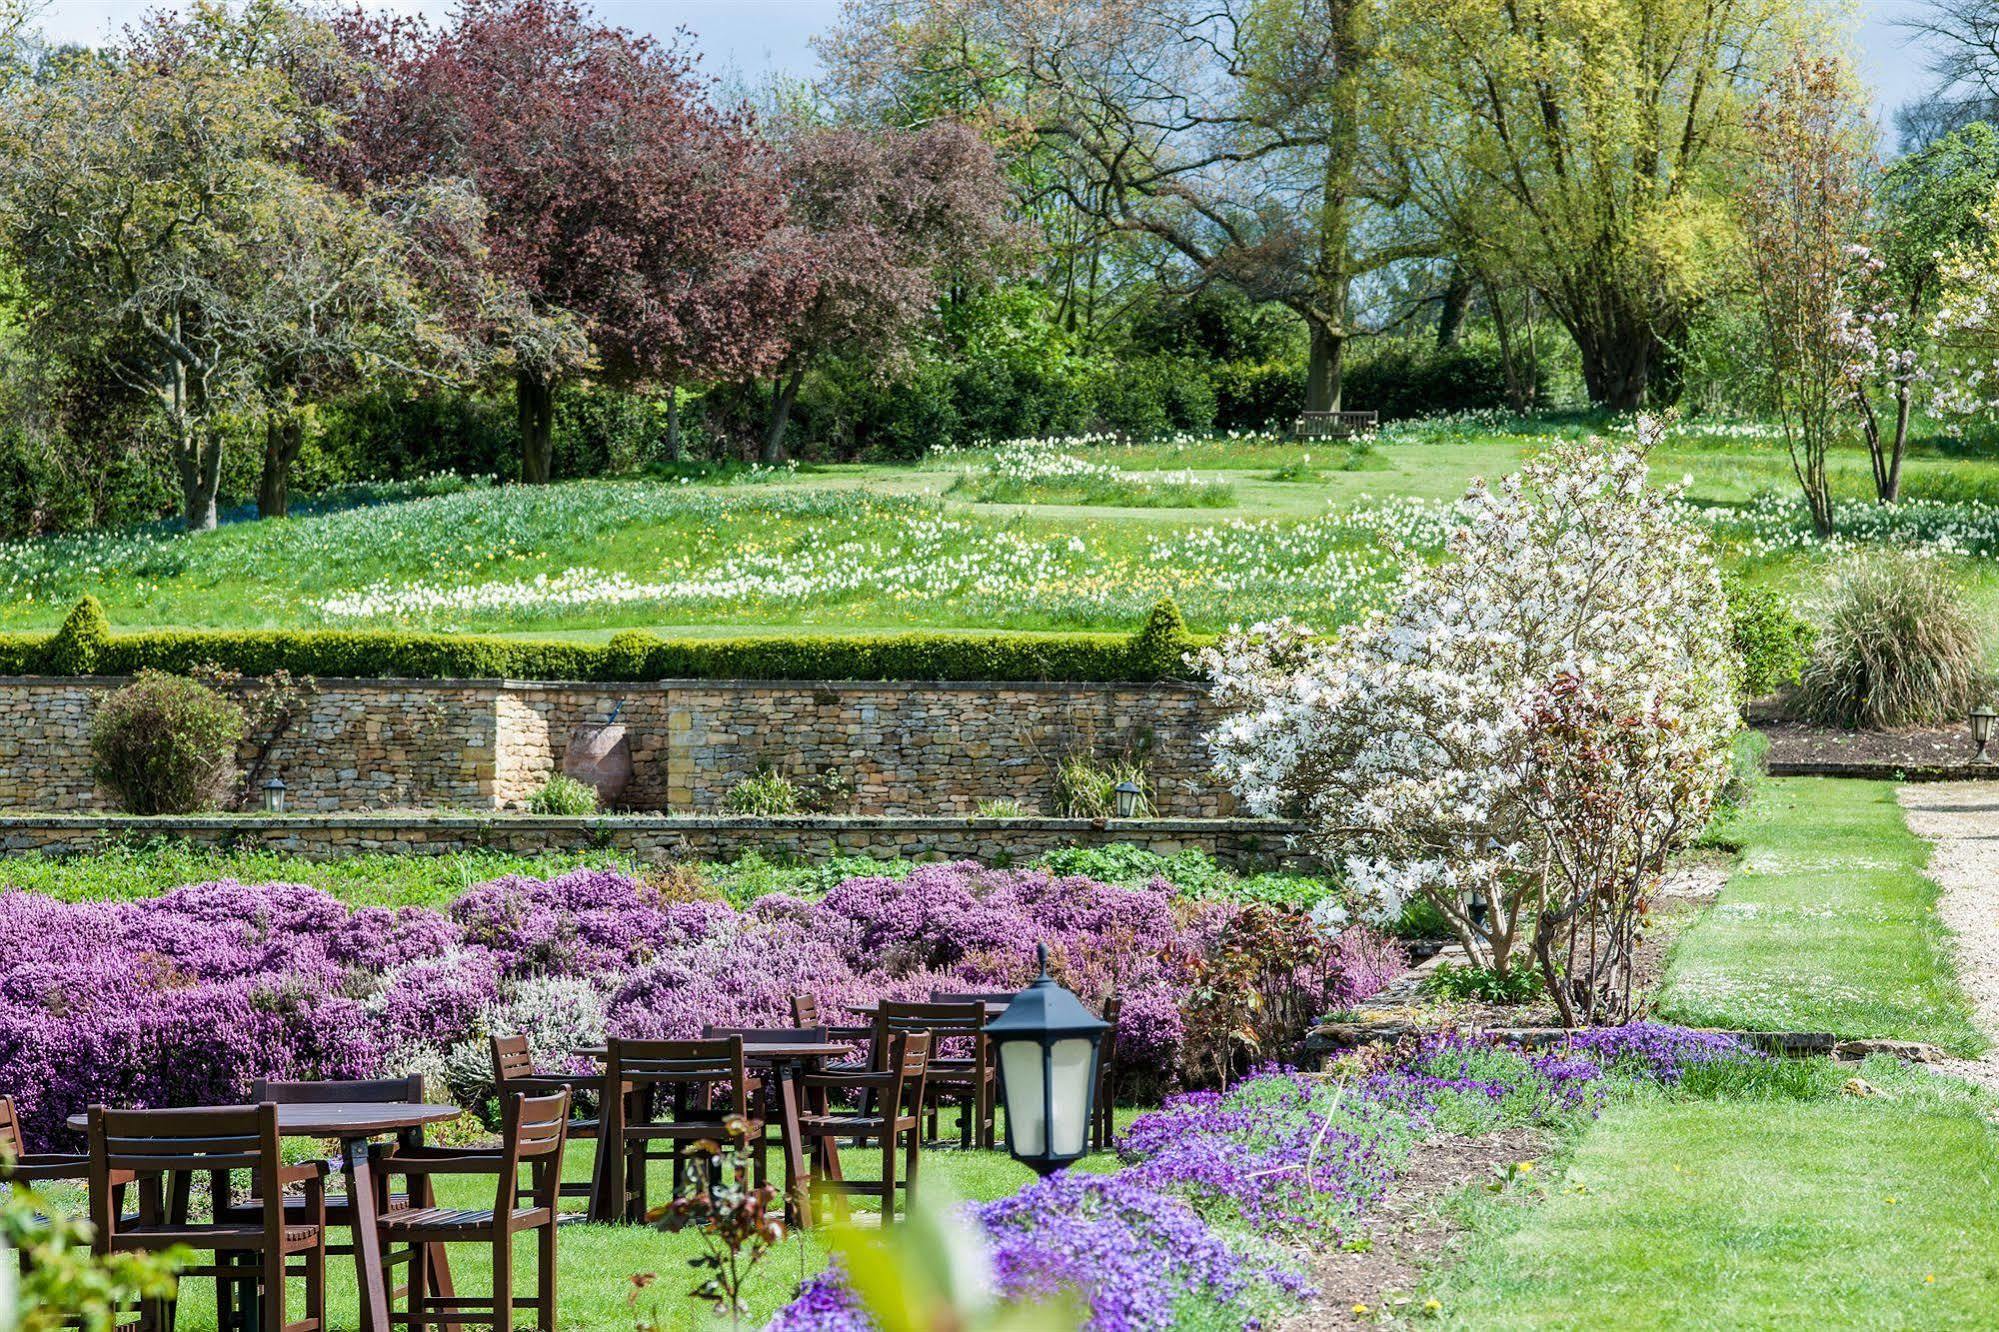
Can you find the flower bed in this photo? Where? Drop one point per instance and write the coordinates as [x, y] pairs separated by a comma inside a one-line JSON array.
[[1192, 1232], [185, 998]]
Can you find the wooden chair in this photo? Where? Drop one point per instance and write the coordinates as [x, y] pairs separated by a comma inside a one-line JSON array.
[[514, 1074], [252, 1257], [19, 1166], [805, 1013], [533, 1131], [763, 1088], [700, 1082], [896, 1093], [1107, 1077], [970, 1080]]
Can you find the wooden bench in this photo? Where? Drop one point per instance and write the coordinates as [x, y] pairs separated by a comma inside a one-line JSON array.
[[1334, 425]]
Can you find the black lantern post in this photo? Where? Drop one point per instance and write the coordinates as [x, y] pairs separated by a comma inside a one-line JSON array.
[[274, 796], [1128, 796], [1047, 1046], [1981, 731]]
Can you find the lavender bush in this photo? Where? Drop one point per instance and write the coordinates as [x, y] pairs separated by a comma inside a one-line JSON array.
[[187, 997]]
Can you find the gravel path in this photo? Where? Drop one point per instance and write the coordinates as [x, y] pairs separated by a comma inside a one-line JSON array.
[[1961, 822]]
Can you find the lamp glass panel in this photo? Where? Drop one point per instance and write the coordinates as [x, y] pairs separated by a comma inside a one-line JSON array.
[[1069, 1075], [1020, 1065]]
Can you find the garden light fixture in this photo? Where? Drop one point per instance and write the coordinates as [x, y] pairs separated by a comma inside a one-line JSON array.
[[1047, 1046], [274, 796], [1128, 796], [1981, 731]]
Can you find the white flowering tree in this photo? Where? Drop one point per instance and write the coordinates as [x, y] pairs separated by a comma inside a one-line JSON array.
[[1526, 734]]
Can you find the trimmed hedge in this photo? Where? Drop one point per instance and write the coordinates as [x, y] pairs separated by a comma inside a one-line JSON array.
[[84, 646]]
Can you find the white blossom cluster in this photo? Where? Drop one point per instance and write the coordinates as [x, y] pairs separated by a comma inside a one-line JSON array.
[[1546, 710]]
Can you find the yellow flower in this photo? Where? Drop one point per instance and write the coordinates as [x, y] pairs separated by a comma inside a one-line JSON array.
[[1526, 1167], [1432, 1305], [1929, 1278], [1360, 1308]]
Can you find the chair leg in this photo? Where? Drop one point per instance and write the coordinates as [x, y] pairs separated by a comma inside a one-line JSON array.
[[503, 1283], [545, 1276], [274, 1289], [888, 1174], [315, 1284], [912, 1154]]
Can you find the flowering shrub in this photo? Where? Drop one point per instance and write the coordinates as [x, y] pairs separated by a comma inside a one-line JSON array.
[[1527, 733], [187, 997], [1185, 1235]]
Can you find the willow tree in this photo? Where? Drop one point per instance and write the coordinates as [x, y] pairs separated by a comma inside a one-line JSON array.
[[1584, 147]]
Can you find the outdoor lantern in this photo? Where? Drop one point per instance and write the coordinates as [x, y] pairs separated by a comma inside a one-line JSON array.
[[274, 796], [1046, 1044], [1981, 731], [1481, 910], [1128, 796]]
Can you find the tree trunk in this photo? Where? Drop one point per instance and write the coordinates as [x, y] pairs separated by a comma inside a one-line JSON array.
[[199, 459], [1325, 370], [1617, 363], [780, 415], [673, 448], [1451, 314], [534, 406], [284, 437]]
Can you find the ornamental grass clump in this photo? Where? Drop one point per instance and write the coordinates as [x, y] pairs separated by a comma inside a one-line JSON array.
[[1525, 736], [1896, 646], [165, 744]]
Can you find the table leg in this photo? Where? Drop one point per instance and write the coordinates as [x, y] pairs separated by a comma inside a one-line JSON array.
[[423, 1193], [374, 1287], [797, 1195]]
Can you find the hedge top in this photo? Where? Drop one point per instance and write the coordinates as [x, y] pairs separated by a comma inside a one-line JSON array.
[[85, 645]]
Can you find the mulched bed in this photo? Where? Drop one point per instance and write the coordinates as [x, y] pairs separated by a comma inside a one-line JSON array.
[[1929, 751], [1407, 1232]]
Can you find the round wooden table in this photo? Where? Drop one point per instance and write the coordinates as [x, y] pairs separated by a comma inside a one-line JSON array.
[[353, 1125], [787, 1061]]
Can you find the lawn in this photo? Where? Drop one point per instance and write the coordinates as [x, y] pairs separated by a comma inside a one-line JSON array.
[[1840, 1211], [1827, 924], [879, 548]]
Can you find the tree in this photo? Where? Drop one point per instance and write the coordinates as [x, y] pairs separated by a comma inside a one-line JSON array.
[[1802, 213], [1234, 137], [632, 224], [1573, 144], [1525, 735], [158, 224], [886, 220]]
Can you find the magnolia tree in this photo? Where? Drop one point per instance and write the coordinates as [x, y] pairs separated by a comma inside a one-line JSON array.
[[1524, 736]]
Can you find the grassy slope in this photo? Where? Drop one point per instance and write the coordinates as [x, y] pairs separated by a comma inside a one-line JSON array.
[[252, 575], [1826, 925], [1845, 1212]]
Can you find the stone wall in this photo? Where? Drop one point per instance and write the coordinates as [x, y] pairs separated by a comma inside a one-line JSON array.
[[1243, 843], [888, 748]]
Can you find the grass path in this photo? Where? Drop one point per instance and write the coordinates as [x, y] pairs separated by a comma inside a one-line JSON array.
[[1827, 924], [1843, 1212]]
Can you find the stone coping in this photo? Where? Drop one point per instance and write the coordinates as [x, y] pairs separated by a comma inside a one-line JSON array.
[[1889, 772], [665, 686], [1275, 828]]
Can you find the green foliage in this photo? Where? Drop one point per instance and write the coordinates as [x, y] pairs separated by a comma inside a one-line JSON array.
[[562, 795], [165, 744], [1771, 643], [1258, 395], [1930, 203], [1004, 807], [1451, 981], [1748, 763], [1896, 646], [1409, 378], [767, 793], [1193, 874], [64, 1284], [1086, 787], [75, 648], [1151, 654]]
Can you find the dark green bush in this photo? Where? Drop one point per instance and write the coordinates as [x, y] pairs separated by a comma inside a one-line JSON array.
[[76, 647], [1258, 395], [1770, 642], [1406, 379], [165, 744], [1155, 652]]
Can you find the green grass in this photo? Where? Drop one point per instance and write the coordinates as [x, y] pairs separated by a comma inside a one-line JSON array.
[[1827, 924], [1839, 1211], [868, 547]]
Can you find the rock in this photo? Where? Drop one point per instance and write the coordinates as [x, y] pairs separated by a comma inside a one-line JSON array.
[[1909, 1052]]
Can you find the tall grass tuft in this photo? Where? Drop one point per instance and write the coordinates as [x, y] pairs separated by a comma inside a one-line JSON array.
[[1895, 647]]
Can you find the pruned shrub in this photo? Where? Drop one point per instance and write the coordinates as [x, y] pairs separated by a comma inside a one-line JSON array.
[[1771, 643], [1896, 646], [563, 796], [74, 648], [165, 744]]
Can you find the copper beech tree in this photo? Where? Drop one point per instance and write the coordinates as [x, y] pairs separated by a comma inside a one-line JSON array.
[[632, 226]]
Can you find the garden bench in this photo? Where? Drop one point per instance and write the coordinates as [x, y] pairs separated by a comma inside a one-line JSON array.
[[1334, 425]]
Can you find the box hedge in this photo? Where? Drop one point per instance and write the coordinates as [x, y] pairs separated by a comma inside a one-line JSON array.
[[85, 646]]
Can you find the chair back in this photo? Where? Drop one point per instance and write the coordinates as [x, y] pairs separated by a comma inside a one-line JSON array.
[[755, 1036], [685, 1068], [939, 1021], [394, 1091], [13, 1143], [804, 1010], [533, 1132], [214, 1140], [906, 1059], [511, 1059]]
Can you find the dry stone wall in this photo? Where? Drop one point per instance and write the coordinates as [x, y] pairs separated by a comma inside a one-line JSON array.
[[902, 749]]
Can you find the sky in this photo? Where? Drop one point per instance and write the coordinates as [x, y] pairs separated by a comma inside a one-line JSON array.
[[752, 38]]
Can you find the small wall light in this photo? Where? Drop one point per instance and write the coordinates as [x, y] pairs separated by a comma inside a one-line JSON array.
[[1981, 731], [1128, 796], [274, 796]]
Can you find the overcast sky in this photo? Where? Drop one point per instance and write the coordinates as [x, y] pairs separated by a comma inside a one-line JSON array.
[[754, 37]]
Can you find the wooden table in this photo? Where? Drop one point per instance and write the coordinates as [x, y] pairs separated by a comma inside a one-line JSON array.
[[353, 1125], [993, 1007], [787, 1061]]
